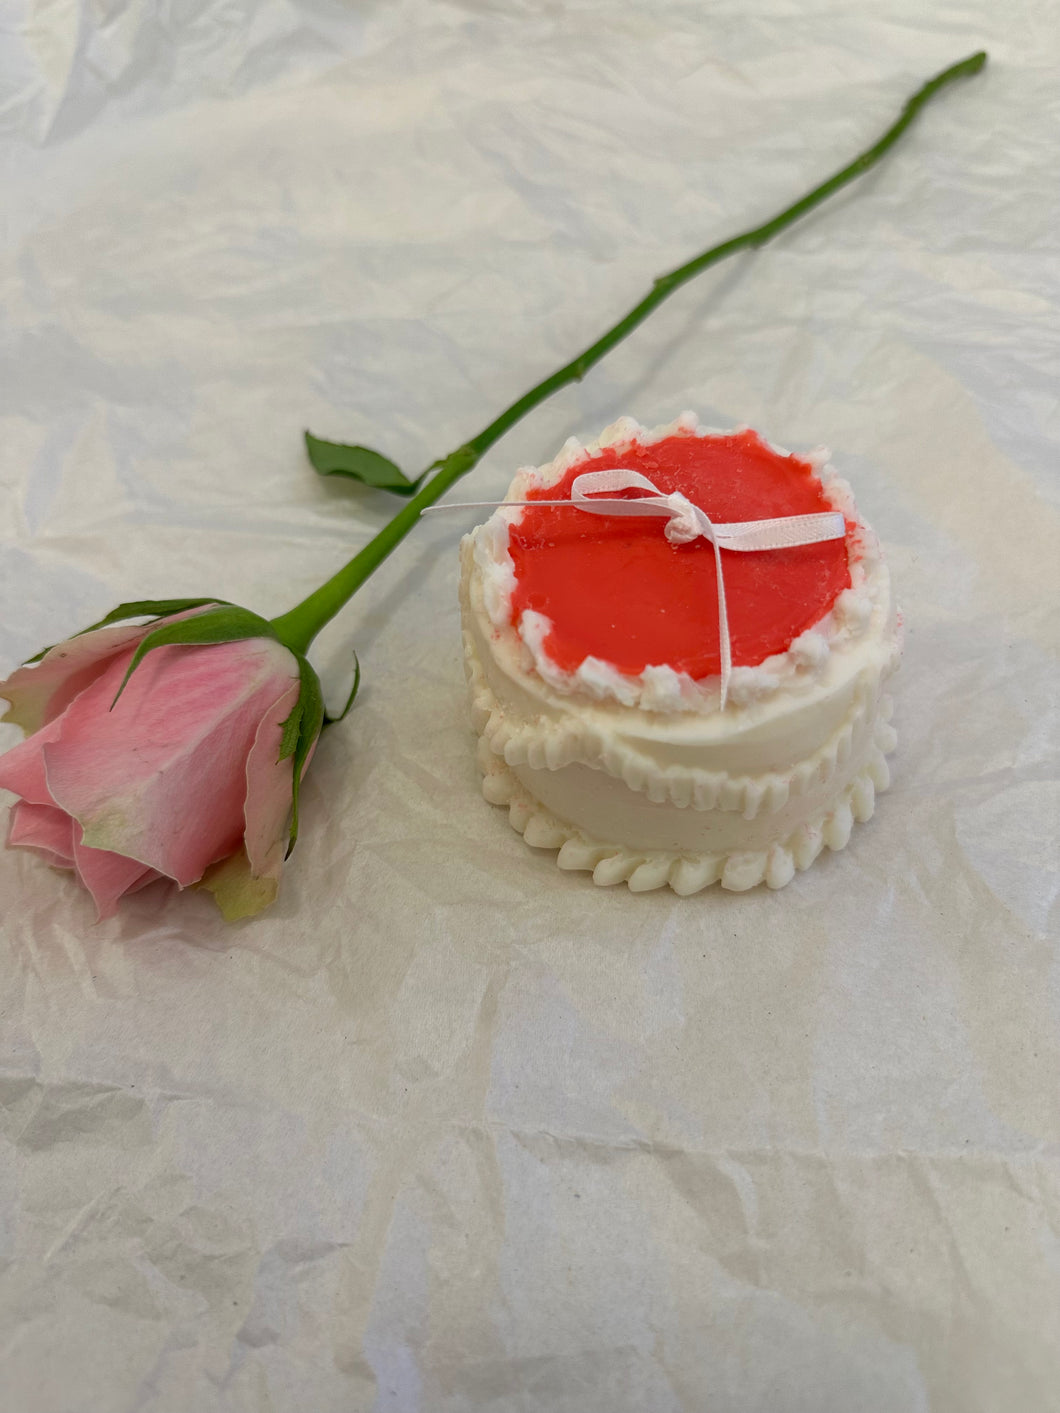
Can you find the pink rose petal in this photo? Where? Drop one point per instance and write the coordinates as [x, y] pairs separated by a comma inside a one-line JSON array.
[[45, 829], [108, 876], [162, 778], [151, 876], [22, 767]]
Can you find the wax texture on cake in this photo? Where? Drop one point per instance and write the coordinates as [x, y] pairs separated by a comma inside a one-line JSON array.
[[594, 655]]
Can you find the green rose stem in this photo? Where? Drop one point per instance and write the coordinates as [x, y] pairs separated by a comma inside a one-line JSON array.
[[300, 626]]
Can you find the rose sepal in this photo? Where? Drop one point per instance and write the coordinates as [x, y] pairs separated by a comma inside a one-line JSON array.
[[225, 623], [137, 608]]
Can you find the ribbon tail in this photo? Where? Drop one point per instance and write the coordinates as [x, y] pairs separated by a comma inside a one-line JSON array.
[[724, 645]]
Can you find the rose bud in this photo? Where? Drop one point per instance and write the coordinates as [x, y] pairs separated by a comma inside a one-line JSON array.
[[164, 750]]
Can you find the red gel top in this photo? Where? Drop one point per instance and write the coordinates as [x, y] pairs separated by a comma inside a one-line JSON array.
[[616, 589]]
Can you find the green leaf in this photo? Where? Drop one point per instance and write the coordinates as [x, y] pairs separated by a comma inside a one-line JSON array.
[[227, 624], [359, 463], [310, 710], [331, 720], [139, 608]]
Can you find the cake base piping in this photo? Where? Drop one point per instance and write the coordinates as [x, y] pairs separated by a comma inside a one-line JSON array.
[[685, 874]]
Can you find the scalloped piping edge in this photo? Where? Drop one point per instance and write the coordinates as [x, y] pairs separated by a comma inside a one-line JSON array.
[[560, 744], [643, 870]]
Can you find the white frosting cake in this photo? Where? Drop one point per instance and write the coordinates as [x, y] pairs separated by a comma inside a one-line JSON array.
[[646, 778]]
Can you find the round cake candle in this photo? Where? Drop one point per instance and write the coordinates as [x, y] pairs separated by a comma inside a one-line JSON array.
[[593, 646]]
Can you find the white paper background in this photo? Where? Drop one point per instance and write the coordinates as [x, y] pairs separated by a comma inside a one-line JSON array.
[[449, 1129]]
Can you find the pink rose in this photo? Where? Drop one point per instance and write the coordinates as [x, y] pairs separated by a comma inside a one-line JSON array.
[[188, 775]]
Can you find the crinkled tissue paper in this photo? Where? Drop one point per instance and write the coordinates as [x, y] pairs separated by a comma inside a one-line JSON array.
[[449, 1129]]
